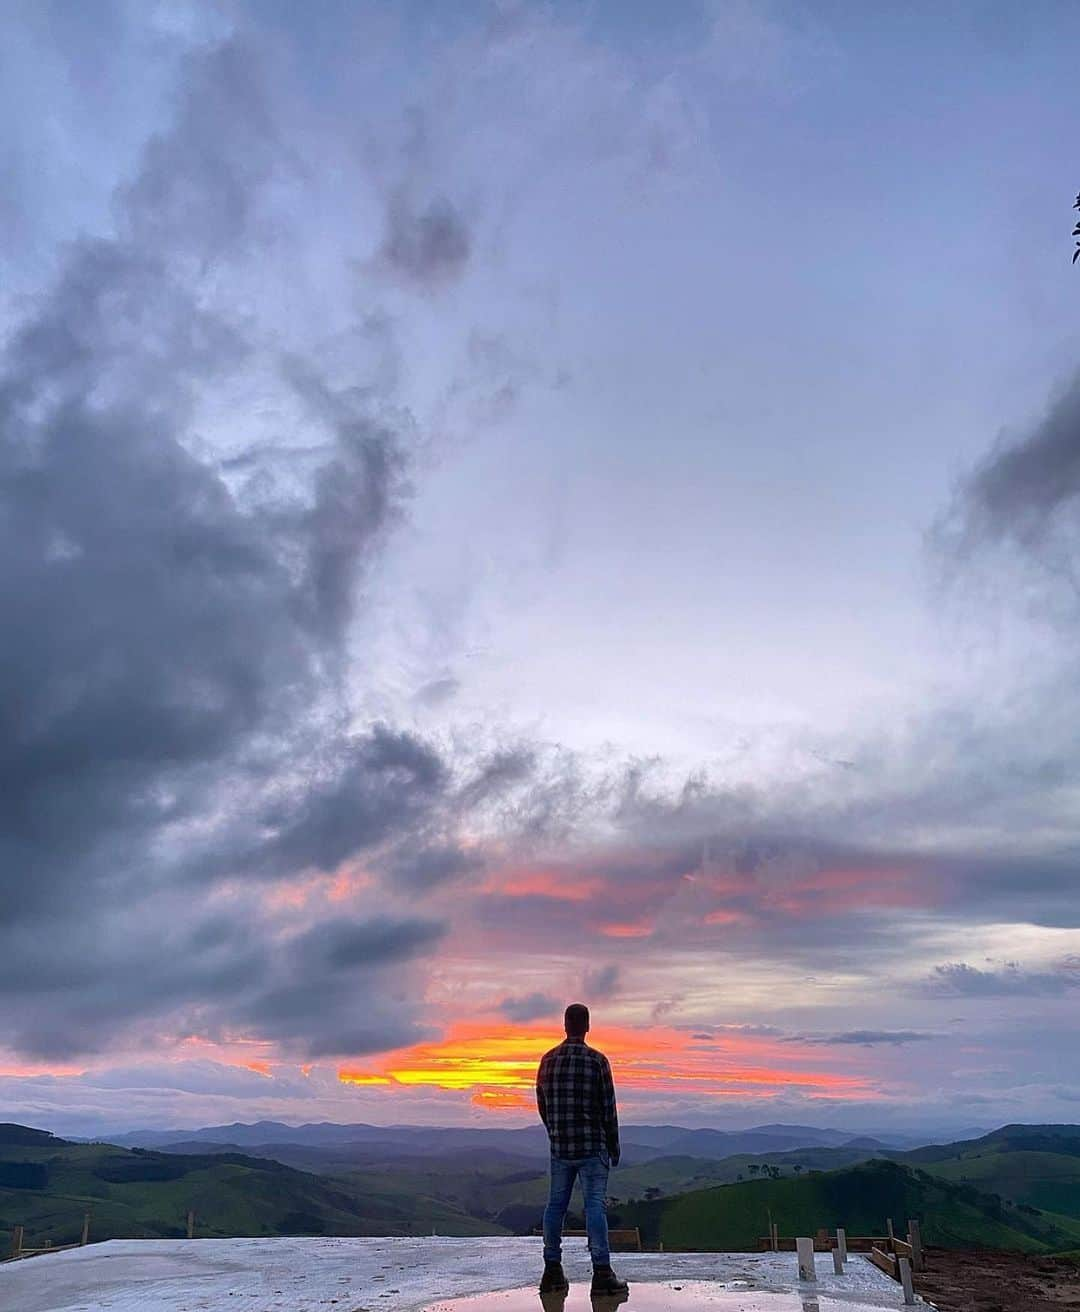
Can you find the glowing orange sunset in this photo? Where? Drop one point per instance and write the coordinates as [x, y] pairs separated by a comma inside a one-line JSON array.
[[489, 1063]]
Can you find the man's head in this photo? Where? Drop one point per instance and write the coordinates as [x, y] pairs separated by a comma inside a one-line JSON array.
[[576, 1020]]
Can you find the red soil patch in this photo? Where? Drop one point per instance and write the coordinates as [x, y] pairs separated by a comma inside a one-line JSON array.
[[984, 1280]]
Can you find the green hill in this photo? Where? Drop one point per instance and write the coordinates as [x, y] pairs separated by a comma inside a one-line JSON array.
[[47, 1185], [1034, 1164], [860, 1198], [1050, 1181]]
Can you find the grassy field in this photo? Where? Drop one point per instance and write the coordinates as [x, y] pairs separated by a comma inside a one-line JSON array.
[[1046, 1180], [859, 1198], [140, 1194]]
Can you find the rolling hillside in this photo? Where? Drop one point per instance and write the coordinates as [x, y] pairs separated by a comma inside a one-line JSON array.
[[1034, 1164], [859, 1198], [47, 1185]]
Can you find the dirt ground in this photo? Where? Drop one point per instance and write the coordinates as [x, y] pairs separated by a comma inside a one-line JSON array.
[[981, 1280]]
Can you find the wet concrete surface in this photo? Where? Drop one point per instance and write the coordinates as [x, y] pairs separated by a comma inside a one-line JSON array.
[[654, 1296], [407, 1275]]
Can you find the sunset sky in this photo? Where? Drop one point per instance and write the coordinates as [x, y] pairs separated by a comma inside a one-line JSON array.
[[516, 503]]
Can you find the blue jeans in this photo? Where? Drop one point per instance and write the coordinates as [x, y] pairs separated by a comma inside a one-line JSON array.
[[593, 1172]]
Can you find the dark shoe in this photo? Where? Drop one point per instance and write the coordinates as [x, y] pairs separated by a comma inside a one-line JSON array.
[[610, 1302], [554, 1280], [606, 1283]]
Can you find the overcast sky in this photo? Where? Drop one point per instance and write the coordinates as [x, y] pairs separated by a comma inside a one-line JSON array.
[[504, 504]]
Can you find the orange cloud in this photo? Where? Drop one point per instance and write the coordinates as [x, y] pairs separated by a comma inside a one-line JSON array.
[[497, 1065], [722, 917], [501, 1100], [626, 929], [296, 894], [566, 887], [31, 1071], [831, 892]]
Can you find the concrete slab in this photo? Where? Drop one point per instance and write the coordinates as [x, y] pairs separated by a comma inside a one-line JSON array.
[[406, 1275]]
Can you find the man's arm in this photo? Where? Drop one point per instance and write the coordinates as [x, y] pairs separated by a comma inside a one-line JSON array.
[[609, 1112], [541, 1100]]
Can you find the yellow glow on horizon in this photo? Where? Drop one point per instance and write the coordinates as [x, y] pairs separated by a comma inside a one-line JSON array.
[[498, 1064]]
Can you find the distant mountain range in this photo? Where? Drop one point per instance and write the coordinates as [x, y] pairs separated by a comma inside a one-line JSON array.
[[641, 1143], [1017, 1187]]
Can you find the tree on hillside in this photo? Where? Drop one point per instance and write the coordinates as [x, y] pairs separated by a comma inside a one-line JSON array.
[[1076, 230]]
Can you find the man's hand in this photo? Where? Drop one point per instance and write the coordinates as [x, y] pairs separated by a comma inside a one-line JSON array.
[[614, 1157]]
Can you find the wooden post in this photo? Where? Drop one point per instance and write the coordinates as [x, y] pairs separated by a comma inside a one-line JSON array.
[[837, 1263], [905, 1280], [841, 1242], [17, 1242], [888, 1227], [85, 1231], [915, 1240], [822, 1239], [191, 1225], [805, 1249]]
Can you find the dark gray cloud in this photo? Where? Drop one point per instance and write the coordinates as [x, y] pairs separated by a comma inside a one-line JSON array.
[[601, 982], [345, 946], [170, 686], [862, 1038], [1024, 486], [416, 867], [958, 979], [532, 1006], [335, 991], [426, 244], [363, 789], [437, 692]]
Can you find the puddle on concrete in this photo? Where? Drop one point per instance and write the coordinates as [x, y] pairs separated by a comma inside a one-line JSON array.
[[654, 1296]]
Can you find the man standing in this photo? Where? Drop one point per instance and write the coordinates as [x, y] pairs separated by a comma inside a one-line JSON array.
[[575, 1096]]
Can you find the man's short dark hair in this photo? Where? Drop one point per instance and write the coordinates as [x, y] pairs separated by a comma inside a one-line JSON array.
[[576, 1018]]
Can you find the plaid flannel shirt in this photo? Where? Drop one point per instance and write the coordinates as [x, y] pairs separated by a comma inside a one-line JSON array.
[[575, 1096]]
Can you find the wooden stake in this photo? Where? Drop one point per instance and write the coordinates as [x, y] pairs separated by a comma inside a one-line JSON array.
[[841, 1242], [805, 1249], [775, 1237], [915, 1239], [17, 1242], [85, 1231], [837, 1263], [905, 1279], [191, 1225], [888, 1226]]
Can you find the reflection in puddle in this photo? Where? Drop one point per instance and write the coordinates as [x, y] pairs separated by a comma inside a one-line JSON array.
[[599, 1302], [654, 1296]]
